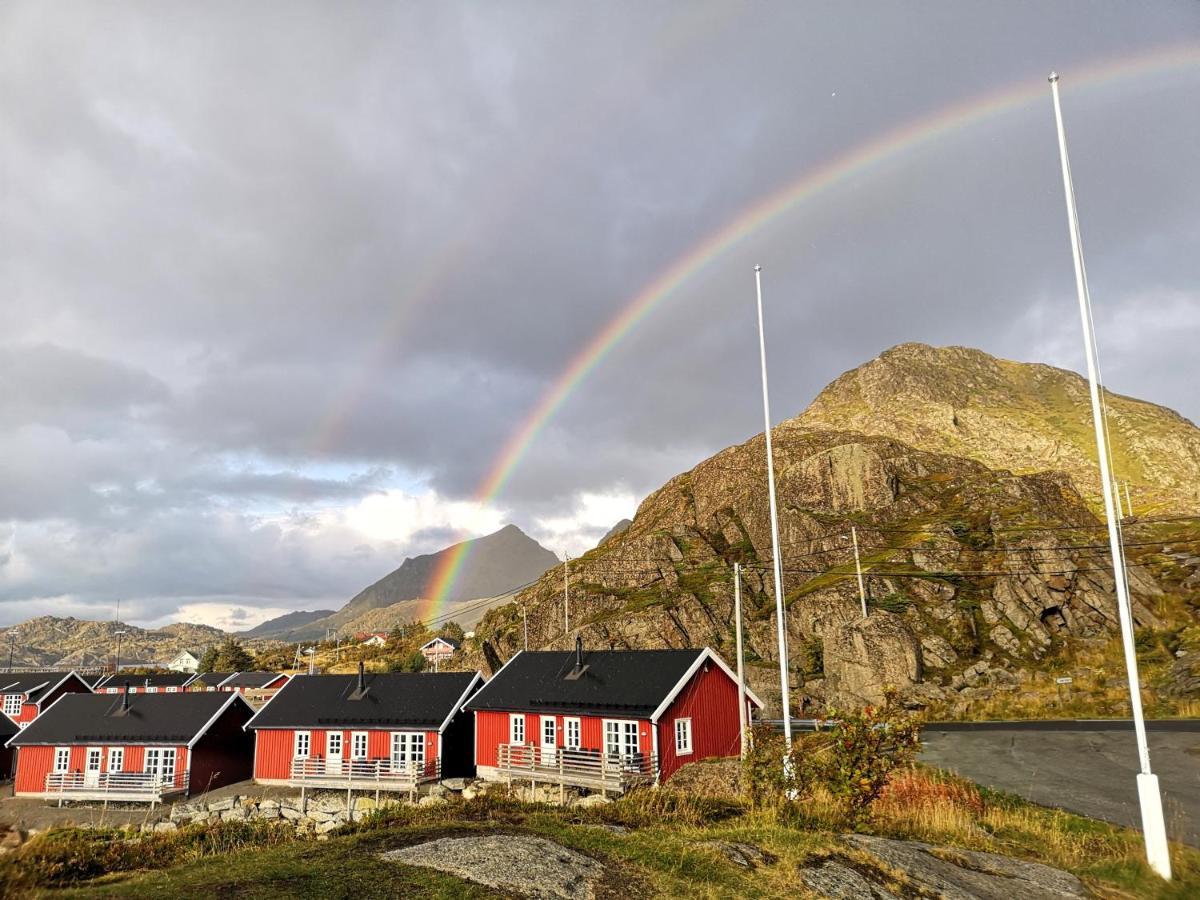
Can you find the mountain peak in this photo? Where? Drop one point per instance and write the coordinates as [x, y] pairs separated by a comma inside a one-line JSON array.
[[1023, 417]]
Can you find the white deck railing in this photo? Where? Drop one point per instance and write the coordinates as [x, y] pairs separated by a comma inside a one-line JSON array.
[[137, 787], [581, 768], [363, 774]]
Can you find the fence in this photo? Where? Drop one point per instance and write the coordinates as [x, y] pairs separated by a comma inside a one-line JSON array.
[[596, 769], [137, 787], [363, 774]]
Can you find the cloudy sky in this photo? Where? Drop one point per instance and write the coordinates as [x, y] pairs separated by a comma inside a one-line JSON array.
[[279, 281]]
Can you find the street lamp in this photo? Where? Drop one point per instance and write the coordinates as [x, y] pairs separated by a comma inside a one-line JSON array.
[[12, 643]]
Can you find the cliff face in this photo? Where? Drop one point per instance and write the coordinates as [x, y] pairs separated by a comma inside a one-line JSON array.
[[977, 576], [1018, 416], [67, 641]]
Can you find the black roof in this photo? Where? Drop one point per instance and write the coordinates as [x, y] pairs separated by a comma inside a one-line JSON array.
[[210, 678], [7, 729], [151, 718], [620, 682], [453, 642], [35, 684], [160, 679], [251, 679], [419, 699]]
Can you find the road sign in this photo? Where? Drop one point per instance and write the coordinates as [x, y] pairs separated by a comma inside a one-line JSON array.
[[1066, 680]]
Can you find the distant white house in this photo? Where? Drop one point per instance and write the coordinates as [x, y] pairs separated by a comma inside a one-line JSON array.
[[184, 661], [439, 649], [373, 639]]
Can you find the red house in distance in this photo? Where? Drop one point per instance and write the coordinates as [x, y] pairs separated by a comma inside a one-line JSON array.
[[25, 696], [140, 748], [606, 719]]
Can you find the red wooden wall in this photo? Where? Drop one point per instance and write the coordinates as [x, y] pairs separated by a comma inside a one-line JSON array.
[[273, 747], [492, 729], [710, 700], [34, 762]]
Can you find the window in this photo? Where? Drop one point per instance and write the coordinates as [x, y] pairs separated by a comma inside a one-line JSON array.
[[408, 751], [160, 761], [110, 690], [151, 690], [621, 737], [116, 759], [62, 759], [549, 732], [172, 690], [516, 728], [303, 741], [683, 736], [333, 743], [571, 734], [358, 745], [12, 704]]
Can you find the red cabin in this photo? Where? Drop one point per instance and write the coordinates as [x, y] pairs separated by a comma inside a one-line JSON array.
[[158, 683], [25, 696], [606, 719], [142, 747], [259, 684], [393, 731]]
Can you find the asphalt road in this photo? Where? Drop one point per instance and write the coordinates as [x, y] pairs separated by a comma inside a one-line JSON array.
[[1085, 767]]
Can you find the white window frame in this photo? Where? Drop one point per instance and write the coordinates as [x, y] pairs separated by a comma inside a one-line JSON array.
[[160, 761], [622, 733], [549, 730], [683, 736], [572, 733], [173, 690], [332, 737], [111, 690], [62, 759], [13, 704], [151, 690], [301, 739], [360, 743], [116, 759], [516, 728], [408, 751]]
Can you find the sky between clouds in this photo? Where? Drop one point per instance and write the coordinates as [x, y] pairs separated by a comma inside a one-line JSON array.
[[278, 281]]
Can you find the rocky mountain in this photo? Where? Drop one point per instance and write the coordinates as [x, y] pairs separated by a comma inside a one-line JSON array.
[[53, 640], [1023, 417], [285, 623], [980, 579], [493, 566]]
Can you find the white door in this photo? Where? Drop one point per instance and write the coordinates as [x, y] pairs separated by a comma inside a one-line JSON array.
[[91, 766], [549, 741], [333, 753], [621, 738], [408, 751]]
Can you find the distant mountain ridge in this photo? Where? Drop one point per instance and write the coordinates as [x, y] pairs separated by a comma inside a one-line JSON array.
[[54, 640], [493, 567], [285, 623]]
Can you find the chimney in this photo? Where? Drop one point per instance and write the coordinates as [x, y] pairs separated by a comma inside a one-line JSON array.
[[362, 681], [578, 652], [125, 697]]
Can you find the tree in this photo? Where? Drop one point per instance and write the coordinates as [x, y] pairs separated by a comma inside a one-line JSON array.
[[453, 630], [208, 660], [411, 662], [232, 657]]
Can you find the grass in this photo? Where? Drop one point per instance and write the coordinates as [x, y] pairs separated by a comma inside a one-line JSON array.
[[659, 848]]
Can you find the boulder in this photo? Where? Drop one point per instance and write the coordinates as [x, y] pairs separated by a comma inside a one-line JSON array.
[[236, 814], [591, 800], [165, 826], [222, 804], [326, 827], [454, 784], [740, 854], [432, 800]]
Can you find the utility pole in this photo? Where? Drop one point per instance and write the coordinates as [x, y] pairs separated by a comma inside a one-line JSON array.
[[12, 643], [1128, 502], [566, 595], [784, 697], [1153, 826], [120, 632], [312, 660], [737, 618], [862, 593]]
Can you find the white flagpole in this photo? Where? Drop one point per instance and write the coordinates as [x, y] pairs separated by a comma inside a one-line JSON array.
[[1153, 826], [741, 676], [784, 697], [862, 592]]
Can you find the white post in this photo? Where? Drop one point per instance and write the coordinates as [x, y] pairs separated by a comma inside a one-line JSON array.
[[862, 593], [741, 676], [1128, 502], [1153, 826], [784, 698], [525, 623]]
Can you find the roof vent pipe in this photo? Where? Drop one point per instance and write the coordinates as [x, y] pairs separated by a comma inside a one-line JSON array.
[[362, 681], [578, 653], [125, 697]]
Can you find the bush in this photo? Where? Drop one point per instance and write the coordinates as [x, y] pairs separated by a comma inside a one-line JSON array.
[[846, 765]]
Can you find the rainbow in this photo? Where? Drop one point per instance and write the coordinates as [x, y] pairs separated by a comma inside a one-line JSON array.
[[813, 183]]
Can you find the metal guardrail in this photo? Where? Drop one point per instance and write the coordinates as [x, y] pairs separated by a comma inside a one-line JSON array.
[[138, 787], [580, 768], [363, 774]]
